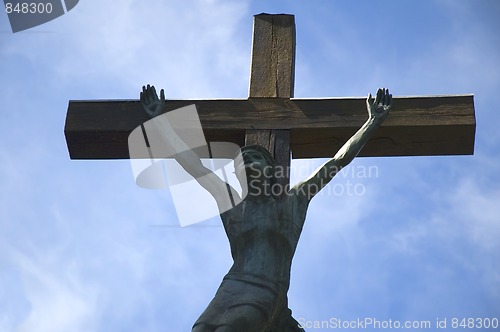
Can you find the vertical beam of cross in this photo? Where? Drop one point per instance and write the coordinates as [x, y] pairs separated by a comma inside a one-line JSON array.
[[272, 75]]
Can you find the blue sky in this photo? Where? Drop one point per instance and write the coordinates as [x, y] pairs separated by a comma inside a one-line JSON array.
[[83, 249]]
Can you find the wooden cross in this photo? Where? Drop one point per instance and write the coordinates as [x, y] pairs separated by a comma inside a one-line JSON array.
[[271, 117]]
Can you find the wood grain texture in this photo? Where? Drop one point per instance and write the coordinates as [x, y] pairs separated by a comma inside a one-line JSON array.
[[272, 71], [442, 125], [272, 74], [277, 142]]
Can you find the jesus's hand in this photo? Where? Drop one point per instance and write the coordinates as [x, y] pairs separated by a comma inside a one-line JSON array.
[[379, 109], [153, 105]]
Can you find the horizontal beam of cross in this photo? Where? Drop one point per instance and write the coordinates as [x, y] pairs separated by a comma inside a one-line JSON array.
[[443, 125]]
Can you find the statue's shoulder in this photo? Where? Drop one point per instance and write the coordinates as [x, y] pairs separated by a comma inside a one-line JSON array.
[[297, 197], [293, 203]]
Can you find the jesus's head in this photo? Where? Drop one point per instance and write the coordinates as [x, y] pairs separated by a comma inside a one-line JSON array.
[[255, 163]]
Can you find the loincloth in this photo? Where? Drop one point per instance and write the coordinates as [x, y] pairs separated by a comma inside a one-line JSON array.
[[244, 290]]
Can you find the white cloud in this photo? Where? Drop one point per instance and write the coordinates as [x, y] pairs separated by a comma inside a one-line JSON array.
[[421, 242], [168, 44], [59, 297], [475, 210]]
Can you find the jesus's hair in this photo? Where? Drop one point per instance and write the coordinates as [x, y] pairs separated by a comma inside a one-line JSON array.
[[266, 154]]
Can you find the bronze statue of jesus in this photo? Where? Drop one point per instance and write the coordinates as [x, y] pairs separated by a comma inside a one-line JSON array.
[[263, 228]]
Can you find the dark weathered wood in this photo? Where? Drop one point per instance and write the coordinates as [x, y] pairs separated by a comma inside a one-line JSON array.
[[318, 127], [273, 56], [312, 127], [272, 75], [277, 142]]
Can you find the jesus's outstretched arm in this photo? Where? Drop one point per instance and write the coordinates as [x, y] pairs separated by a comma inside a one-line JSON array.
[[224, 195], [378, 110]]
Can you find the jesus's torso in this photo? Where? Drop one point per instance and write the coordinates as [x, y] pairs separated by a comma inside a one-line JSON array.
[[263, 235]]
